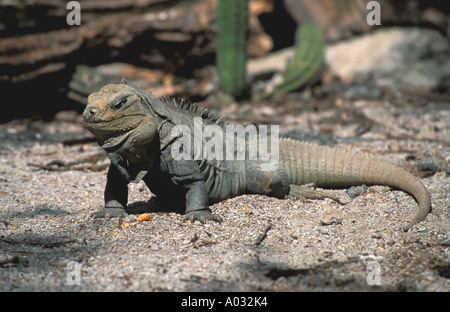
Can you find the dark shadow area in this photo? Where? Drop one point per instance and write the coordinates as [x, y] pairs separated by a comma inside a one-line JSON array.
[[29, 131], [153, 206], [38, 99], [323, 276], [280, 26], [32, 212]]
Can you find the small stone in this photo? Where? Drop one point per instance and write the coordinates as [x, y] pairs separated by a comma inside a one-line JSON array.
[[326, 254], [427, 166], [330, 216], [357, 190]]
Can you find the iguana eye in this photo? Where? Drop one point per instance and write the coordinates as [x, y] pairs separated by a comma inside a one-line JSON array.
[[118, 104]]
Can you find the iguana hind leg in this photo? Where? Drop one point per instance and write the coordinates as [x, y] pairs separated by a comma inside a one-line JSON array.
[[308, 191]]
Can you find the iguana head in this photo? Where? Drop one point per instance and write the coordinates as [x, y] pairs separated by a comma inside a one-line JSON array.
[[115, 110]]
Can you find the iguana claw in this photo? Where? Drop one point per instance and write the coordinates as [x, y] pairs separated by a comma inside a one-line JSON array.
[[202, 216], [109, 213]]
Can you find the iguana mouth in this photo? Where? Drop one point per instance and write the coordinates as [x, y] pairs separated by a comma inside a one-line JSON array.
[[96, 120], [93, 121]]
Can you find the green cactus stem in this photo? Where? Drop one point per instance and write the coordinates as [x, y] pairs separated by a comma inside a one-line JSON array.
[[306, 66], [231, 45]]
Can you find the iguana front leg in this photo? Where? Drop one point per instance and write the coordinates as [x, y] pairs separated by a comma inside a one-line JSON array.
[[197, 204], [116, 195], [187, 175]]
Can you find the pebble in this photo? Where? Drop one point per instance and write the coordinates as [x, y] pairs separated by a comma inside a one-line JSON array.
[[323, 231], [330, 216], [154, 247], [428, 166], [357, 190]]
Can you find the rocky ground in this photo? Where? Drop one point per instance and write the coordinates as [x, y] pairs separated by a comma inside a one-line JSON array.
[[52, 179]]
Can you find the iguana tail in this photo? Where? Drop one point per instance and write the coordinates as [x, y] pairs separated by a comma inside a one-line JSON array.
[[332, 167]]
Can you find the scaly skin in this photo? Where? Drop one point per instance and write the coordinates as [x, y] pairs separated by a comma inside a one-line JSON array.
[[135, 130]]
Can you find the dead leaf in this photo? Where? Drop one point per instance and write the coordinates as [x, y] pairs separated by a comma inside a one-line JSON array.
[[144, 217]]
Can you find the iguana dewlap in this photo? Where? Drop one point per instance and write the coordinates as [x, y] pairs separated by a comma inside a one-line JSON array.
[[136, 130]]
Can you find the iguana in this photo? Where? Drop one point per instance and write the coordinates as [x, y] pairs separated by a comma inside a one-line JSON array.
[[135, 128]]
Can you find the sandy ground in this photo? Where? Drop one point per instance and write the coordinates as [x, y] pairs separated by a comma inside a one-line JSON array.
[[48, 242]]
